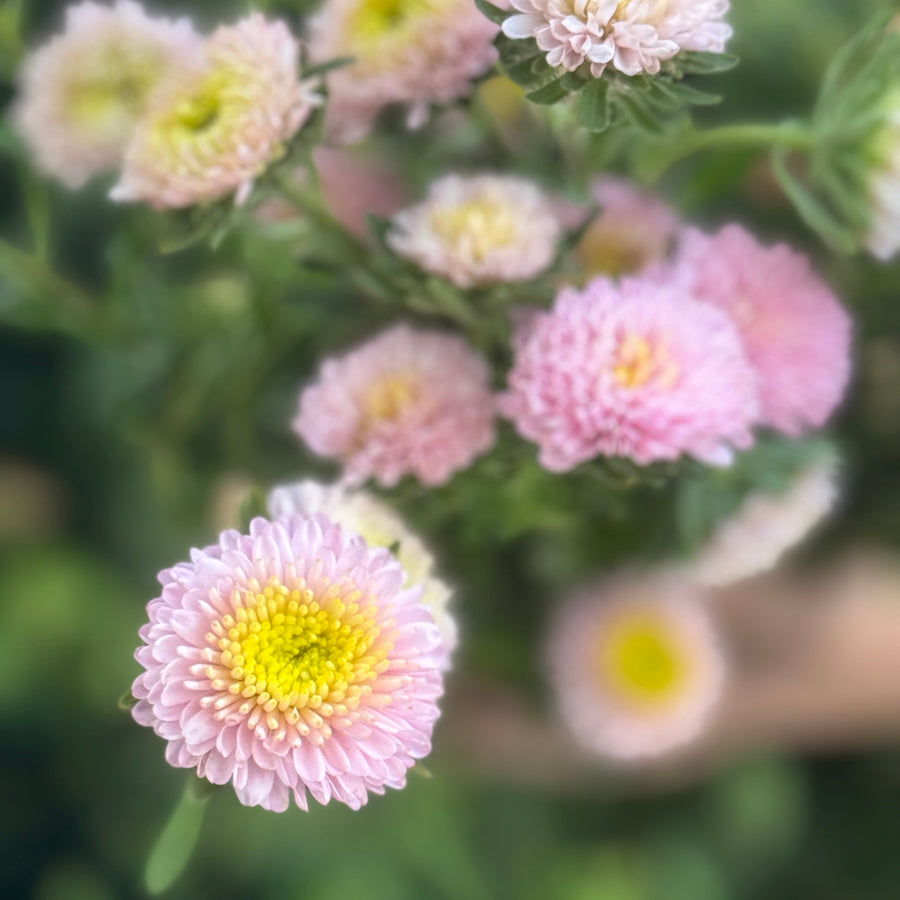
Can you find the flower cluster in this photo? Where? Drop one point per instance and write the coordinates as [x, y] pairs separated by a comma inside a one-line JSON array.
[[291, 659]]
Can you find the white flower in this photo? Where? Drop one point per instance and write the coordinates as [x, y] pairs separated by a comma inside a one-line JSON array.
[[379, 526], [83, 91], [766, 526], [883, 238], [479, 230], [633, 35]]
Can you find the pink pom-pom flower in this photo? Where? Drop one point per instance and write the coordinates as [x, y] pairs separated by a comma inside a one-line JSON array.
[[636, 665], [794, 331], [288, 660], [636, 369], [407, 402]]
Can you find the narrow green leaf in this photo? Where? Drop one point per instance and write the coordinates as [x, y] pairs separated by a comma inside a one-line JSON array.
[[593, 110], [329, 66], [127, 701], [556, 90], [175, 845], [495, 14], [698, 62]]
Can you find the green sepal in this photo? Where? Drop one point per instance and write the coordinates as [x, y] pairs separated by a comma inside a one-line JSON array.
[[495, 14]]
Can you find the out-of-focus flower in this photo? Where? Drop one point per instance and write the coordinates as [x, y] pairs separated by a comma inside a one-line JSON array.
[[633, 36], [633, 230], [636, 665], [767, 525], [635, 369], [407, 402], [412, 52], [211, 132], [379, 526], [794, 331], [83, 91], [291, 660], [883, 237], [479, 230]]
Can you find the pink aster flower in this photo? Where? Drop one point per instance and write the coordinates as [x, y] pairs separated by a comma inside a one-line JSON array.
[[379, 526], [479, 230], [83, 92], [411, 52], [636, 665], [290, 660], [213, 131], [636, 369], [633, 36], [406, 402], [795, 333], [633, 230]]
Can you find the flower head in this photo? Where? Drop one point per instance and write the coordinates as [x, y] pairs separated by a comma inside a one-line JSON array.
[[288, 660], [478, 230], [632, 231], [633, 36], [636, 665], [634, 369], [211, 132], [883, 237], [767, 525], [795, 333], [379, 526], [412, 52], [83, 91], [406, 402]]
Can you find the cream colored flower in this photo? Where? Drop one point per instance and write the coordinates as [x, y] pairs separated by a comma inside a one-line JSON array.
[[212, 132], [83, 91]]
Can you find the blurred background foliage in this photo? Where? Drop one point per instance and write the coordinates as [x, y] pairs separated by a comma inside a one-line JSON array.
[[144, 394]]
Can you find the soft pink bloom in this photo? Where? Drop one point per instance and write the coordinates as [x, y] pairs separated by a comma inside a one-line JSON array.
[[633, 36], [795, 333], [291, 660], [84, 90], [213, 131], [479, 229], [636, 665], [633, 230], [417, 53], [406, 402], [636, 369]]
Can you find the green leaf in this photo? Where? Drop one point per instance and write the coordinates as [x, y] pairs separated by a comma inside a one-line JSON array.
[[696, 62], [557, 90], [495, 14], [329, 66], [175, 845], [127, 701], [593, 110]]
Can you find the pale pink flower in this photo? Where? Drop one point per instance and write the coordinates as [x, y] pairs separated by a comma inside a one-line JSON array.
[[635, 369], [633, 230], [636, 665], [633, 36], [766, 526], [417, 53], [210, 133], [795, 332], [379, 526], [291, 660], [406, 402], [83, 91], [479, 229]]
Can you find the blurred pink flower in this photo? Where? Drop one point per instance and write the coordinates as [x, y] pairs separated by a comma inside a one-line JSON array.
[[635, 369], [633, 35], [211, 132], [794, 331], [290, 660], [636, 665], [633, 229], [406, 402], [479, 230], [412, 52], [84, 90]]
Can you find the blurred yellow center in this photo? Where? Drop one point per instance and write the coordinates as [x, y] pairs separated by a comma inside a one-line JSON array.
[[607, 249], [638, 361], [378, 24], [388, 398], [286, 650], [643, 659], [476, 227]]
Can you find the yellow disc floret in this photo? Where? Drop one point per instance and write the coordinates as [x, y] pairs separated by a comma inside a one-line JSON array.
[[639, 361]]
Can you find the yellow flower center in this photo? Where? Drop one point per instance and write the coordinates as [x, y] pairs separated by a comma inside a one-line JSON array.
[[639, 361], [388, 398], [289, 652], [377, 25], [476, 227], [643, 660], [609, 249]]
